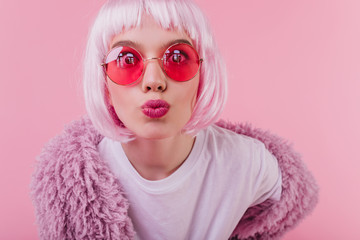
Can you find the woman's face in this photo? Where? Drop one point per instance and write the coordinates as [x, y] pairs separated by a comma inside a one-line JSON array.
[[134, 104]]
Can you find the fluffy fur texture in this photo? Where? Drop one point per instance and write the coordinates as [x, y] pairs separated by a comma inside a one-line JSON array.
[[76, 196]]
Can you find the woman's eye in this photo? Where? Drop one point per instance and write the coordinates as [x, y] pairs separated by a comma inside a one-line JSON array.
[[129, 59], [177, 57], [126, 60]]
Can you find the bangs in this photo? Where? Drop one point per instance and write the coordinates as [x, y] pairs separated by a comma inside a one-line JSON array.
[[121, 16]]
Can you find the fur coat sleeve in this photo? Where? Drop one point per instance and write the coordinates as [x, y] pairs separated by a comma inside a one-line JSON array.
[[76, 196]]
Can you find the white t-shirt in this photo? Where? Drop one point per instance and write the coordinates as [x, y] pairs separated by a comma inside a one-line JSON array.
[[205, 198]]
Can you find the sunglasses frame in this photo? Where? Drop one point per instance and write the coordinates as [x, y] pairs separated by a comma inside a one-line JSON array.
[[104, 64]]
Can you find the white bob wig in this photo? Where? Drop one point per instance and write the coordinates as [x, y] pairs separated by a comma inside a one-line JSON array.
[[117, 16]]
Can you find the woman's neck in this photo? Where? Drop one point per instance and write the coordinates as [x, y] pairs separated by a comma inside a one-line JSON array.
[[159, 158]]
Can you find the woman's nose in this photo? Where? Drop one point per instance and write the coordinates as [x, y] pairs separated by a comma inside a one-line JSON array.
[[154, 79]]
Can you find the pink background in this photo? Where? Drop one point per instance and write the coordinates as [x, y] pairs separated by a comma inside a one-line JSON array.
[[293, 69]]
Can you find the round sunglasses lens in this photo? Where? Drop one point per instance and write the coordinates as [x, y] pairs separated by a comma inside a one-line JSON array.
[[181, 62], [124, 65]]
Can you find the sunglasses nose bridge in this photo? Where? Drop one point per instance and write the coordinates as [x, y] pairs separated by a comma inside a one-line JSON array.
[[151, 59], [145, 60]]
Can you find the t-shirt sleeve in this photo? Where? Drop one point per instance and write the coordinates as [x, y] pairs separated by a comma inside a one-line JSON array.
[[269, 179]]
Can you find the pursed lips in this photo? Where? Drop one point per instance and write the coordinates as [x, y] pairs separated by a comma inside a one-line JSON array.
[[155, 108]]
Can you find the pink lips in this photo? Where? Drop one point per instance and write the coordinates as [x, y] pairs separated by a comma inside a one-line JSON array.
[[155, 108]]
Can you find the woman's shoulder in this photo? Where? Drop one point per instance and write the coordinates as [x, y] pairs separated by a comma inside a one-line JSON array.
[[230, 138], [224, 129], [248, 132]]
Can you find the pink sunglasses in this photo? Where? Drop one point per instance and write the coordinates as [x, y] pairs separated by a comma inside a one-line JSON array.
[[124, 65]]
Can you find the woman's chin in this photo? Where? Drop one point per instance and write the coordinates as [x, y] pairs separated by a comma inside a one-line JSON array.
[[156, 133]]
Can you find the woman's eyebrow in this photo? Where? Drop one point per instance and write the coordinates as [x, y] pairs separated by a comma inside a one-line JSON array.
[[125, 43], [166, 45], [138, 46]]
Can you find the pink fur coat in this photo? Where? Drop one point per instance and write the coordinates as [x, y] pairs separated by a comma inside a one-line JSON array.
[[76, 196]]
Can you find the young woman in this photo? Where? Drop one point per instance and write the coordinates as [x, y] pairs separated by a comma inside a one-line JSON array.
[[148, 162]]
